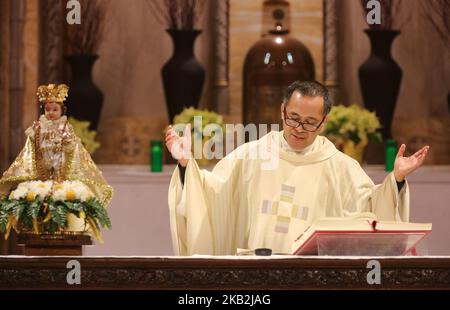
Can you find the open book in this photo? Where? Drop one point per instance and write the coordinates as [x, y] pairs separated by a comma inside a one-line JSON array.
[[359, 235]]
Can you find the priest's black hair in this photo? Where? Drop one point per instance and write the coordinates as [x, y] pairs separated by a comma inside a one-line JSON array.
[[309, 89]]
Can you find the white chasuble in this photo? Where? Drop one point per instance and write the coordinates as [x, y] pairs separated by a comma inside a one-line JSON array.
[[263, 195]]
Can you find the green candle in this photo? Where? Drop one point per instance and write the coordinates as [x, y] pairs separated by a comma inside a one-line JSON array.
[[156, 156], [391, 153]]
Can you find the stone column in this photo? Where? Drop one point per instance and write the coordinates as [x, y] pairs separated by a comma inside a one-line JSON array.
[[18, 79], [51, 41], [11, 86], [330, 41], [220, 55], [4, 84]]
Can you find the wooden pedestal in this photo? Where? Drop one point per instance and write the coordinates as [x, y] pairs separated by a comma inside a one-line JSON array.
[[65, 244]]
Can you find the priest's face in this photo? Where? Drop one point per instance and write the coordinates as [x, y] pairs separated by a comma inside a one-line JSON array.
[[53, 111], [303, 119]]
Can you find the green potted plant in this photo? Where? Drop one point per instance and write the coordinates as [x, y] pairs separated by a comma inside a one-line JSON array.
[[351, 128], [87, 136]]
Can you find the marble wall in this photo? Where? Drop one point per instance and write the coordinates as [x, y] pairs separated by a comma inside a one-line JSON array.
[[421, 115], [245, 29], [136, 47]]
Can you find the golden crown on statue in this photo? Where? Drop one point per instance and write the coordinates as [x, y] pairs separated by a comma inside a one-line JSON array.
[[52, 93]]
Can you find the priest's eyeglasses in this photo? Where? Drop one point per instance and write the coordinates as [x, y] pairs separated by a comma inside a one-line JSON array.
[[306, 126]]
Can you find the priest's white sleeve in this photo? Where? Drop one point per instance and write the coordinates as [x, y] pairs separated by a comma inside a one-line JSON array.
[[388, 203], [177, 211], [203, 212], [383, 199]]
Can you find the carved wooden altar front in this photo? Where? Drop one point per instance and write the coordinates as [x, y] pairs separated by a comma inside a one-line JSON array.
[[188, 273]]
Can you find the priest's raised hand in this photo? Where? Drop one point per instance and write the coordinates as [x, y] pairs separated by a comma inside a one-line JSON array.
[[405, 165], [179, 147]]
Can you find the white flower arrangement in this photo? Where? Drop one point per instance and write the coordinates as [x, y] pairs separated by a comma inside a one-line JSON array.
[[43, 207], [65, 191], [72, 190], [32, 189]]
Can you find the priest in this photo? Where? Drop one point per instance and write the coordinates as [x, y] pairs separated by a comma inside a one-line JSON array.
[[241, 204]]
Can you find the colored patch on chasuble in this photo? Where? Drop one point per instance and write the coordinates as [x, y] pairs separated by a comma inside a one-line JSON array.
[[284, 209]]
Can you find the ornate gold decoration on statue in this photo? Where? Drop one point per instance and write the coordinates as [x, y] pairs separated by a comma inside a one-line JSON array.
[[53, 154], [52, 93], [53, 175]]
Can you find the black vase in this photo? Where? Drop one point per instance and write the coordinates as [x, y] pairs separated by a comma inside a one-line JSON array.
[[380, 78], [448, 101], [85, 99], [183, 76]]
